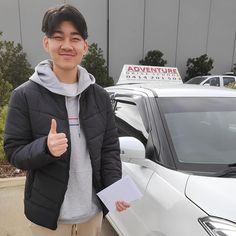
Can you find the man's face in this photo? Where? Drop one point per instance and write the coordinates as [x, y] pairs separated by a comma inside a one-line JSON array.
[[66, 47]]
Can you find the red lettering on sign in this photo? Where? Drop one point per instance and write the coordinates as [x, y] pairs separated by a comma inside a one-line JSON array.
[[130, 68], [164, 70], [142, 69], [168, 71]]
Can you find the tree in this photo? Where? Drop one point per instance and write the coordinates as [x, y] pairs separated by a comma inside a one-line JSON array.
[[14, 66], [5, 91], [14, 70], [3, 112], [95, 64], [199, 66], [153, 58]]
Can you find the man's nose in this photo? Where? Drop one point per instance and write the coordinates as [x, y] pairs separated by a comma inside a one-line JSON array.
[[66, 44]]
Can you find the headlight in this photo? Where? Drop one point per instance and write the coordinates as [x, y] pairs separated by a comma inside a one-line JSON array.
[[218, 227]]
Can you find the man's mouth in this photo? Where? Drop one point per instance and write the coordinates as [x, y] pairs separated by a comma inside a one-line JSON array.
[[66, 55]]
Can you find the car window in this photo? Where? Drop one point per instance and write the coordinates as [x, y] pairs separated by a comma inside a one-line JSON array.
[[214, 81], [202, 130], [196, 80], [228, 80], [129, 121]]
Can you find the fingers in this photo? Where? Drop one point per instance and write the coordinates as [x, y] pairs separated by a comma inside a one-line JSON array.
[[58, 150], [59, 138], [122, 205], [53, 129], [57, 142]]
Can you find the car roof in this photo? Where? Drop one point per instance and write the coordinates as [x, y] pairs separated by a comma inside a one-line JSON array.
[[208, 76], [177, 90]]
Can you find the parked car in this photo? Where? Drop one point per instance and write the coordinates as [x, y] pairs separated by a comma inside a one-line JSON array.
[[178, 144], [213, 80]]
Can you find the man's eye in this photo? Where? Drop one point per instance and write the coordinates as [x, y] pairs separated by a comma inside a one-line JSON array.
[[76, 39], [57, 37]]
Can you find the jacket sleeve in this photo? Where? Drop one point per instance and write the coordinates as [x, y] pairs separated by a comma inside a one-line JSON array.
[[21, 150], [111, 163]]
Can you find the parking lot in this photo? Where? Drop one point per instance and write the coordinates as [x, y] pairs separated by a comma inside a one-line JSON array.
[[12, 219]]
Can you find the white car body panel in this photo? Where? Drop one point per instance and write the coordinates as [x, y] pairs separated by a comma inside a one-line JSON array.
[[164, 202], [208, 192]]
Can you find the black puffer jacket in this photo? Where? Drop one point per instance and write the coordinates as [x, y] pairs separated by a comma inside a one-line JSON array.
[[31, 109]]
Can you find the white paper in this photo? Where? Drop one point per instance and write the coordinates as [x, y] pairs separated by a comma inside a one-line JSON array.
[[123, 190]]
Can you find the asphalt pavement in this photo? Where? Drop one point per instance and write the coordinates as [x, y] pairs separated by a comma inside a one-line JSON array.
[[12, 219]]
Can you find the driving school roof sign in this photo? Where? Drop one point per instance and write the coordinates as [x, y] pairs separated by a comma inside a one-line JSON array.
[[140, 74]]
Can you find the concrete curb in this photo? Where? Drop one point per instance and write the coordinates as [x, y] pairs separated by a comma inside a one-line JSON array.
[[12, 182], [12, 189], [13, 222]]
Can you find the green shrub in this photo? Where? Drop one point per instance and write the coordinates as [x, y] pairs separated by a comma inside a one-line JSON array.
[[14, 70], [3, 112], [5, 91], [198, 66], [153, 58], [14, 66], [95, 64]]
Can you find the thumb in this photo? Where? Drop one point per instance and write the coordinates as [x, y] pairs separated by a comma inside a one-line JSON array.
[[53, 129]]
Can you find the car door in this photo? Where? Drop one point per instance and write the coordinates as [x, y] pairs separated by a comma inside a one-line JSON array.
[[131, 121]]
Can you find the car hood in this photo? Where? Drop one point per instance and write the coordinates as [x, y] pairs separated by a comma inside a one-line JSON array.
[[214, 195]]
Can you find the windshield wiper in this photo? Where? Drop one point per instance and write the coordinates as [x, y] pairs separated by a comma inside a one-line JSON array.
[[229, 171]]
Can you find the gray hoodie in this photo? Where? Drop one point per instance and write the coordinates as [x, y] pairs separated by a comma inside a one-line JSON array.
[[80, 201]]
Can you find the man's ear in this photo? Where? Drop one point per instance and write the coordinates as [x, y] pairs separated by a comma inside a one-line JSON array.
[[45, 43], [86, 47]]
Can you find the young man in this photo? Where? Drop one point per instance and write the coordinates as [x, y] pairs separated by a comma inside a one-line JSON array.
[[60, 128]]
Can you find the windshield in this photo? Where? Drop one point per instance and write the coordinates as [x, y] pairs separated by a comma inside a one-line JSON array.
[[196, 80], [201, 130]]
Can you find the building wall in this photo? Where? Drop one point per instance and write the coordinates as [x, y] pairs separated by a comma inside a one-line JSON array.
[[9, 20], [179, 28]]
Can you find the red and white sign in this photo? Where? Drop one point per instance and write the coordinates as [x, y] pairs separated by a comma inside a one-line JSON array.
[[140, 74]]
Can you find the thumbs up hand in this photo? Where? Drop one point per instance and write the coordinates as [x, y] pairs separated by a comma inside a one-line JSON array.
[[57, 142]]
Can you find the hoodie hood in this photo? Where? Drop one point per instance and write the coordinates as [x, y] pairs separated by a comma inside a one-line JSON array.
[[45, 77]]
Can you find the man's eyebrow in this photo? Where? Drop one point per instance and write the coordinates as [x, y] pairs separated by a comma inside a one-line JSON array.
[[75, 33], [61, 32]]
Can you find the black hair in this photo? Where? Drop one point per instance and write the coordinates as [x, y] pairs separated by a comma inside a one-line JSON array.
[[53, 17]]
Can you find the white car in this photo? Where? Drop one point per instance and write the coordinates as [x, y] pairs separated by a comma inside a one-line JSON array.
[[213, 80], [178, 144]]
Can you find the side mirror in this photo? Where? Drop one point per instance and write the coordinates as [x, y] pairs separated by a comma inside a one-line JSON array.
[[131, 148]]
